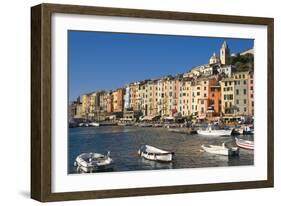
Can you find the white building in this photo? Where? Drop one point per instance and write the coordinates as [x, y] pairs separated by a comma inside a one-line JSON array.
[[127, 98], [227, 70]]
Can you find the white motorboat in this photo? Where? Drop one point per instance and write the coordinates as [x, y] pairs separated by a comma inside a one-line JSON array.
[[221, 150], [244, 129], [94, 124], [209, 131], [245, 144], [92, 162], [153, 153]]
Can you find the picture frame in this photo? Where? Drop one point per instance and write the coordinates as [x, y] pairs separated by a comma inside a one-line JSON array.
[[41, 101]]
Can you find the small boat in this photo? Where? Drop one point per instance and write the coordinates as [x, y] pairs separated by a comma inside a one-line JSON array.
[[245, 144], [209, 131], [94, 124], [153, 153], [221, 150], [92, 162], [244, 129]]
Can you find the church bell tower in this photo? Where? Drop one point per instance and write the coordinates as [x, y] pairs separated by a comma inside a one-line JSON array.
[[224, 54]]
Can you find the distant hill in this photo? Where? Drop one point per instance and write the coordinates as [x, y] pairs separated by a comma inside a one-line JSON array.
[[243, 62]]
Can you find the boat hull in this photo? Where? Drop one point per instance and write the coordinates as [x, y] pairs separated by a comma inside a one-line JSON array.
[[155, 157], [214, 132], [245, 144], [94, 168], [219, 150], [92, 162]]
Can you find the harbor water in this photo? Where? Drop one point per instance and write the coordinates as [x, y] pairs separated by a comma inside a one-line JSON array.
[[124, 142]]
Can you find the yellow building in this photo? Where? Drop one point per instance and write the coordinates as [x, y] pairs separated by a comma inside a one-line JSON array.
[[84, 105], [93, 104], [227, 96], [167, 102], [241, 93], [143, 98], [151, 98], [160, 96], [184, 97], [134, 96]]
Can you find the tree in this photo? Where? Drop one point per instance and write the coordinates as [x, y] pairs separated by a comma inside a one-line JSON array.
[[243, 62]]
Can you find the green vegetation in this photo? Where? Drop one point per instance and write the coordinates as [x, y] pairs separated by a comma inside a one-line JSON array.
[[243, 62]]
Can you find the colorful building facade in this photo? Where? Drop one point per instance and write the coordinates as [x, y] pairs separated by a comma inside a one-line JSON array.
[[118, 100], [206, 91]]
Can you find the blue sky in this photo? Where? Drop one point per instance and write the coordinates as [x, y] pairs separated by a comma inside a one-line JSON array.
[[101, 60]]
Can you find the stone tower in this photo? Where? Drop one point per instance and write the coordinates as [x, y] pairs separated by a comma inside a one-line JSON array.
[[224, 54]]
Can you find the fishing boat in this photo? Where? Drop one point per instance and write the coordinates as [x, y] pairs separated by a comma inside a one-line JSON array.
[[221, 150], [92, 162], [245, 144], [156, 154], [209, 131]]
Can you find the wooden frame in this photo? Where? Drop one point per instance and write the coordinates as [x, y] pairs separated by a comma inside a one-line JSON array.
[[41, 101]]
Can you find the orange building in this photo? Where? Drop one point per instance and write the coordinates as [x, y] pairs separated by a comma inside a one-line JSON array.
[[209, 97], [118, 101], [215, 99]]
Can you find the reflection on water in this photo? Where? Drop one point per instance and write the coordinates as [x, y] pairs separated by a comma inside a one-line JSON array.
[[150, 165], [79, 170], [124, 142]]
